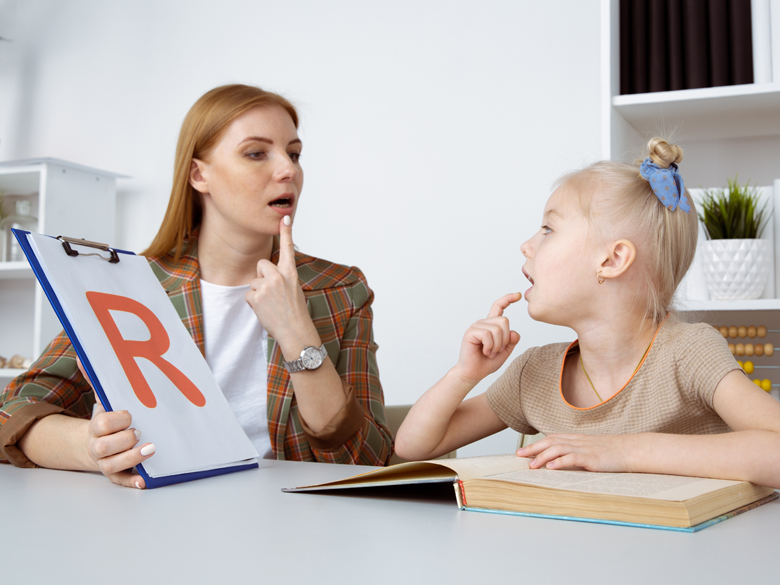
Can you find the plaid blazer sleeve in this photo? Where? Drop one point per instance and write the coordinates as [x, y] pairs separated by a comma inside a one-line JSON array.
[[52, 385], [359, 433]]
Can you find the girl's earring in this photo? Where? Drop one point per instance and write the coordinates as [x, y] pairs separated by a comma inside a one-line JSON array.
[[598, 275]]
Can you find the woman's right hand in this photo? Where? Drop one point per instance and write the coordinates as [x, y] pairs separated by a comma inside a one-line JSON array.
[[488, 343], [112, 444]]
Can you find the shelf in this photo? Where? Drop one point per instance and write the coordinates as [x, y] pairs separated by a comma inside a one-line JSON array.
[[10, 373], [749, 305], [701, 114], [19, 183], [15, 270], [35, 164]]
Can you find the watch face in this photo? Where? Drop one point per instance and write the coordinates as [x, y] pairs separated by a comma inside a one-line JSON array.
[[311, 358]]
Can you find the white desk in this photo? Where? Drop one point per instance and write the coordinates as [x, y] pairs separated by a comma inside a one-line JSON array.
[[65, 527]]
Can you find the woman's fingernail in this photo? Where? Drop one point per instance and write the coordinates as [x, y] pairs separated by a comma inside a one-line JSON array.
[[147, 449], [287, 220], [138, 486], [137, 434], [521, 451]]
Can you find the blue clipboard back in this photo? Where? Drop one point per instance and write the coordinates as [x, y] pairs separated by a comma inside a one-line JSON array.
[[114, 257]]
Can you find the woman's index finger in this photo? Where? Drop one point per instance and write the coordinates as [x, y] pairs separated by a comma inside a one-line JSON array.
[[501, 304], [286, 246]]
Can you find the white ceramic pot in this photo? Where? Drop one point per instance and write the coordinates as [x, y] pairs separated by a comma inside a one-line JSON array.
[[736, 269]]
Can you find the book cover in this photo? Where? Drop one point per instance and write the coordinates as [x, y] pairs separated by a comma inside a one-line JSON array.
[[761, 36], [696, 43]]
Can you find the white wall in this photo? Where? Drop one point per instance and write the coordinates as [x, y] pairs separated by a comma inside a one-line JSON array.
[[433, 131], [710, 163]]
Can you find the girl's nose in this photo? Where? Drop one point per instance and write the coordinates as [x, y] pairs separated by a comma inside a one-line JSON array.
[[526, 248]]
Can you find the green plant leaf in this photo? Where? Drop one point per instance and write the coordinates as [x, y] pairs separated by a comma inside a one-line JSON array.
[[733, 213]]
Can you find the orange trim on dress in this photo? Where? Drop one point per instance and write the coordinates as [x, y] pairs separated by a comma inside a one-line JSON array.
[[577, 341]]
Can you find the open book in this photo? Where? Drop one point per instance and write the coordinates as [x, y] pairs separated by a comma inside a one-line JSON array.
[[505, 484], [140, 358]]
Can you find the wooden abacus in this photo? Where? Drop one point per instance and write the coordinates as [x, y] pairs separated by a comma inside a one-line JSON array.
[[751, 349], [743, 331]]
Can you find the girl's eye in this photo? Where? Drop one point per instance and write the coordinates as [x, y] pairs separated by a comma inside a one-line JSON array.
[[546, 229], [295, 156]]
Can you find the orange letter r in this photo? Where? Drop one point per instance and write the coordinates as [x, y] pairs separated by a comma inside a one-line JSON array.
[[152, 349]]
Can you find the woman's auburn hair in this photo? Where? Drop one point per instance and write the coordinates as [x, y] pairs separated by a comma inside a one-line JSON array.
[[202, 128]]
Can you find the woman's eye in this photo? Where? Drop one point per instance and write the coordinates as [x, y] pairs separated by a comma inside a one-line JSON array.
[[295, 156], [256, 155]]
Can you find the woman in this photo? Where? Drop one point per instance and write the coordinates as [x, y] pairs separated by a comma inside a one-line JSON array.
[[263, 314]]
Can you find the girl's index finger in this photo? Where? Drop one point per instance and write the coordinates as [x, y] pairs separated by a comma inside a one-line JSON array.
[[286, 246], [501, 304]]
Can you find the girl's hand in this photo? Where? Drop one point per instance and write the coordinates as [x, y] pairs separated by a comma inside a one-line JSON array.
[[488, 342], [588, 452], [277, 299], [111, 445]]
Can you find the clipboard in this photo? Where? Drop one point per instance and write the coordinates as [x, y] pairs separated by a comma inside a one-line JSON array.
[[113, 257]]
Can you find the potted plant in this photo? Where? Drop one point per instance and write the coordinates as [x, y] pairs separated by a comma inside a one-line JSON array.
[[736, 261]]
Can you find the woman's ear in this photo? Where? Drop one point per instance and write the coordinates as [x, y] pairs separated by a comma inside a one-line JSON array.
[[197, 180], [622, 254]]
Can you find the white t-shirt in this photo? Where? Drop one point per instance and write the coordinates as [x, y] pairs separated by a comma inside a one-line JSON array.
[[235, 351]]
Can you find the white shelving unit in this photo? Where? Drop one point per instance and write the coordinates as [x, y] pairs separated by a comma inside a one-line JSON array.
[[749, 305], [714, 117], [740, 110], [69, 200], [711, 114]]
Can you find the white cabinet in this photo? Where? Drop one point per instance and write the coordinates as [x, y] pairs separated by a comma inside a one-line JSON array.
[[69, 200], [724, 131]]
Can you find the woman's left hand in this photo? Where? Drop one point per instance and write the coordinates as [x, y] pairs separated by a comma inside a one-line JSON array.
[[277, 299], [588, 452]]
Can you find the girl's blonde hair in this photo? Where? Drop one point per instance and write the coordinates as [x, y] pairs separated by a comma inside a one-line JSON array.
[[620, 204], [202, 128]]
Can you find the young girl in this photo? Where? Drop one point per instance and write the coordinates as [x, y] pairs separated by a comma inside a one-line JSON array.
[[639, 390]]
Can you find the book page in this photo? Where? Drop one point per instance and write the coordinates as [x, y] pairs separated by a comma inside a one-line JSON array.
[[487, 465], [188, 436], [434, 470], [674, 488]]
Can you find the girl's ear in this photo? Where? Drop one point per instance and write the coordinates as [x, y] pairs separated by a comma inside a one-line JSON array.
[[622, 254], [197, 180]]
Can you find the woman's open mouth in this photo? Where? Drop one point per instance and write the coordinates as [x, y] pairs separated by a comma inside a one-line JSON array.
[[285, 202]]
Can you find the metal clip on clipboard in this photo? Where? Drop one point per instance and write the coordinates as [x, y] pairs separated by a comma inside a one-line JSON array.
[[66, 242]]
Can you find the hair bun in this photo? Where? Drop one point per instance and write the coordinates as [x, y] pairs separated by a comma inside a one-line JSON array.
[[662, 153]]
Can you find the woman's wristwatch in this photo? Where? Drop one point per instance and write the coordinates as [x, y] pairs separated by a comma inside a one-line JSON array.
[[311, 359]]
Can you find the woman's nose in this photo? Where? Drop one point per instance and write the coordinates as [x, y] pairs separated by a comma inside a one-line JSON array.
[[286, 169]]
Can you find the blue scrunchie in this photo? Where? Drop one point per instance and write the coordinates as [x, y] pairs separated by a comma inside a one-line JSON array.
[[667, 184]]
